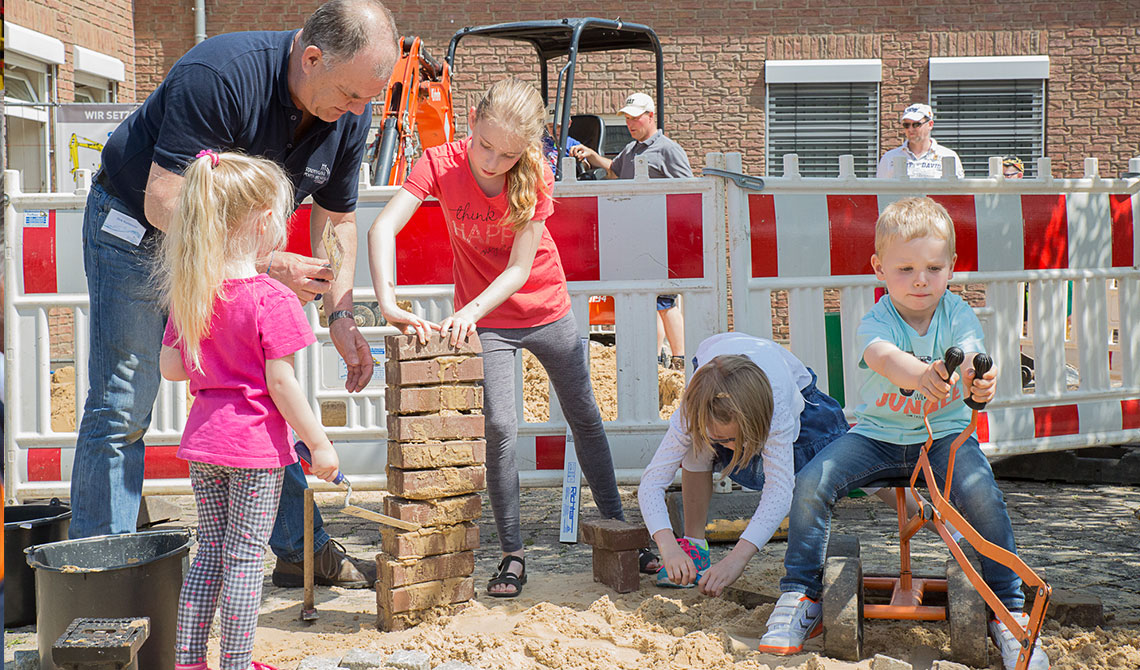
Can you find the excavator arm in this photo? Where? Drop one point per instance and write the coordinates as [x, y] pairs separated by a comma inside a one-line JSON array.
[[417, 113]]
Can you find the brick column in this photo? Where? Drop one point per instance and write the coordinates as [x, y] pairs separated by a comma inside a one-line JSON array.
[[436, 453]]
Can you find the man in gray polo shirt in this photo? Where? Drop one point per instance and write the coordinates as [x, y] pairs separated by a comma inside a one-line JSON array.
[[666, 160]]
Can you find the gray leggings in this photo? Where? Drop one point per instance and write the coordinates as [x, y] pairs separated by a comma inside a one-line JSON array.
[[559, 349]]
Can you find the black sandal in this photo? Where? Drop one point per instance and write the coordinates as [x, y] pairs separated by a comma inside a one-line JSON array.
[[644, 558], [504, 576]]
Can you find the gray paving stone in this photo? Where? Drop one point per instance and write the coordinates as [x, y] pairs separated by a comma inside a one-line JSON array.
[[881, 662], [319, 663], [360, 659], [948, 665], [455, 665], [406, 659], [25, 660]]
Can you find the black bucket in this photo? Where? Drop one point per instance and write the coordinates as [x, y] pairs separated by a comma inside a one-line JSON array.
[[112, 576], [26, 526]]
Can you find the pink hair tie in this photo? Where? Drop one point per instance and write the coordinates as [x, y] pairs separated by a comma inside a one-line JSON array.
[[214, 158]]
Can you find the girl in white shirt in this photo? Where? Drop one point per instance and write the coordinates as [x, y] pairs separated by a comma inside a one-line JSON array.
[[753, 412]]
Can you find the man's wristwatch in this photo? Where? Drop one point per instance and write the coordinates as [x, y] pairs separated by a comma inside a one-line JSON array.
[[339, 314]]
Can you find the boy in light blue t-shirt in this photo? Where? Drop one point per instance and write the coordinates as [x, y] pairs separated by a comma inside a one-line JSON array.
[[901, 343]]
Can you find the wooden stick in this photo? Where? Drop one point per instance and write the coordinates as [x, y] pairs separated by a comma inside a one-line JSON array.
[[308, 608], [369, 515]]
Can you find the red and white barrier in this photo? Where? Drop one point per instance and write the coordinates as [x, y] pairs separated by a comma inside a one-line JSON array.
[[679, 249], [807, 235]]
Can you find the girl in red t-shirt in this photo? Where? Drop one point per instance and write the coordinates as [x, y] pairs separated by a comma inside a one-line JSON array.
[[495, 192]]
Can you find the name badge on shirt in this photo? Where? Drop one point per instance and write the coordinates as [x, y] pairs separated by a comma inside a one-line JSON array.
[[124, 227]]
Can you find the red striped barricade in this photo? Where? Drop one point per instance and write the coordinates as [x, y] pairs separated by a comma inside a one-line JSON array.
[[806, 236], [630, 240]]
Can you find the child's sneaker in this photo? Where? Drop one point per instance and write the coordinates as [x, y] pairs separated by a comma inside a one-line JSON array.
[[795, 618], [1009, 647], [700, 557]]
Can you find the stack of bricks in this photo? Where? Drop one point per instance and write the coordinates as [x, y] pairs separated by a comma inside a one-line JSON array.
[[436, 453], [615, 546]]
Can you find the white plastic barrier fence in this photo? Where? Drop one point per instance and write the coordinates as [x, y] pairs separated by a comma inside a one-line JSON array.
[[631, 240], [808, 235]]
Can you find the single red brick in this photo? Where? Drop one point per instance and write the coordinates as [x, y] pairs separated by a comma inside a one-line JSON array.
[[617, 569], [436, 483], [418, 456], [425, 595], [435, 427], [440, 512], [408, 347], [395, 573], [614, 535], [443, 370], [421, 399], [429, 541]]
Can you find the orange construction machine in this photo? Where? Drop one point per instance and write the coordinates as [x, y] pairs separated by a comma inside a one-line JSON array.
[[417, 113]]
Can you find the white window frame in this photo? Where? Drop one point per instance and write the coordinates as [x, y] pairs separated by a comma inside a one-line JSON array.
[[98, 73], [987, 79], [816, 77]]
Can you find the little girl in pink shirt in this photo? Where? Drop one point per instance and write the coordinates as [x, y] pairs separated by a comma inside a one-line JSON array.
[[232, 333]]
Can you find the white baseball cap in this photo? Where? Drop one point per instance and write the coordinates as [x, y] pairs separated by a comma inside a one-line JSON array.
[[917, 112], [638, 104]]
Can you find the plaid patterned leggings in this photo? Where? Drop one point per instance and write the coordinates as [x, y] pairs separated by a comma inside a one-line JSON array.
[[236, 510]]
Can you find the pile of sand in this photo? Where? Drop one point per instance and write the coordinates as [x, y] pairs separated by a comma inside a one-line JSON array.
[[568, 622], [603, 374]]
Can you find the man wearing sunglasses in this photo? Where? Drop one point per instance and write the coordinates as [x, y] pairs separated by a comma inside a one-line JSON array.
[[923, 154]]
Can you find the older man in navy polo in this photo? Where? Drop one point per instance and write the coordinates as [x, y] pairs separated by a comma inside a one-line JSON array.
[[299, 97]]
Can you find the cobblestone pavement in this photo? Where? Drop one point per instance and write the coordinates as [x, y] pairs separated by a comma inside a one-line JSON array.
[[1082, 538]]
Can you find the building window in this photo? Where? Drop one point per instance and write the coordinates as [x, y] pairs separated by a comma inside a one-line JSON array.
[[821, 110], [25, 92], [987, 107], [97, 76]]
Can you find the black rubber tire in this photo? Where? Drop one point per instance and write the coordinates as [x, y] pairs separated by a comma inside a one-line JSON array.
[[843, 545], [842, 603], [966, 613]]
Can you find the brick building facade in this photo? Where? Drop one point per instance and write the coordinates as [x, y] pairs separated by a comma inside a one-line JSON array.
[[715, 56]]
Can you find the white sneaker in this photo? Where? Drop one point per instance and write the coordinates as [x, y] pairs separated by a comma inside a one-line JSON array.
[[1010, 648], [795, 618]]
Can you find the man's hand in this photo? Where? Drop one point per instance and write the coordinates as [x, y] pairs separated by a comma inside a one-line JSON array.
[[585, 153], [305, 276], [354, 349]]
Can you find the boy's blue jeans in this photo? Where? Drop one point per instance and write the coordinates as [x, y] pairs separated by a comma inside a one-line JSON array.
[[853, 461], [126, 326]]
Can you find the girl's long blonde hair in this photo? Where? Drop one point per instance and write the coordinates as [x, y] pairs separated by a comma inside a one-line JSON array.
[[727, 389], [218, 220], [515, 105]]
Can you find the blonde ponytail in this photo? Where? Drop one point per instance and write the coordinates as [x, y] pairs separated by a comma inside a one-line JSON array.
[[216, 223], [516, 105]]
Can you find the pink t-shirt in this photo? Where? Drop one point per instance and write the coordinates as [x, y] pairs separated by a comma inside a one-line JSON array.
[[233, 421], [482, 244]]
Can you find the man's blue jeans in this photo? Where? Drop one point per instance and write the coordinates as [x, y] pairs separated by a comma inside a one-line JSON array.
[[126, 326], [853, 461]]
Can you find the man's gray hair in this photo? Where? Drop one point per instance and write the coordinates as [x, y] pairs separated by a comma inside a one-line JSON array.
[[343, 28]]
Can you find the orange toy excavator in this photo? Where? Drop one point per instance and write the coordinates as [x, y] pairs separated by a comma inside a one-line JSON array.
[[417, 113]]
